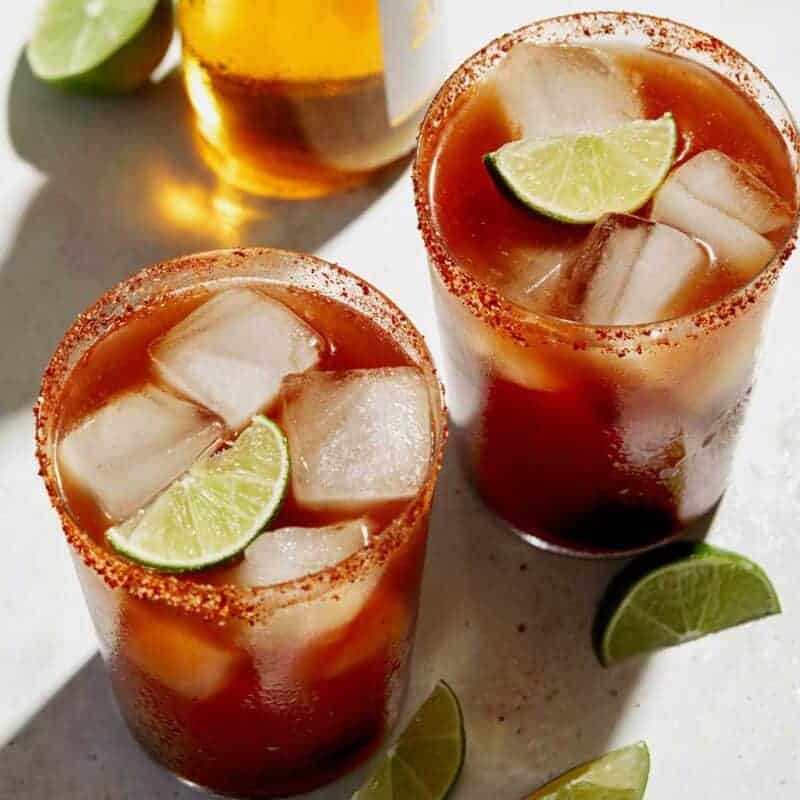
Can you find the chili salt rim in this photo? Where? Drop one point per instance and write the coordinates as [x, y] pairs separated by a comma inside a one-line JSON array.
[[666, 35], [221, 602]]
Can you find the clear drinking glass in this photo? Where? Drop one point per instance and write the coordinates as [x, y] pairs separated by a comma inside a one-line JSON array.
[[314, 670], [540, 450]]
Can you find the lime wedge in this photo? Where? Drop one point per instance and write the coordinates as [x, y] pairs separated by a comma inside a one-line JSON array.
[[580, 177], [100, 45], [619, 775], [425, 762], [681, 594], [216, 509]]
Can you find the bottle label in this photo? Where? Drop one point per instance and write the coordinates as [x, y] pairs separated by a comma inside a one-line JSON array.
[[414, 57]]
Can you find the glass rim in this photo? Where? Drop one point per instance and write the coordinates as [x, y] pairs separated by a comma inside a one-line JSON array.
[[660, 33], [228, 601]]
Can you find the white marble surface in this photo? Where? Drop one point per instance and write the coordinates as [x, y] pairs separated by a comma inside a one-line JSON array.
[[93, 189]]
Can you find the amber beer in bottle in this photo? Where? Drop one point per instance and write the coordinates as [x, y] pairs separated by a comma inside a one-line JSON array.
[[298, 98]]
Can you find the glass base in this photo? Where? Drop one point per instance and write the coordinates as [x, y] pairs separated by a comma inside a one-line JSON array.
[[345, 786], [695, 530], [263, 182], [585, 548]]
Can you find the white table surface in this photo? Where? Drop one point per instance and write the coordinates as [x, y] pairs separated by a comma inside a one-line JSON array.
[[93, 189]]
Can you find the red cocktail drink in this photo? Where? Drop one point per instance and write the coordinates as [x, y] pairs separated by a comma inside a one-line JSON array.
[[276, 672], [600, 372]]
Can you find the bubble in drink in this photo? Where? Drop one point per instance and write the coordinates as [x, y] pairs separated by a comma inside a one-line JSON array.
[[720, 201], [289, 553], [357, 437], [134, 446], [557, 90], [631, 271], [231, 354]]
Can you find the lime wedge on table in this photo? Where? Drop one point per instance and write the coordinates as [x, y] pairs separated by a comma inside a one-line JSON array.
[[100, 45], [425, 762], [580, 177], [619, 775], [690, 591], [216, 509]]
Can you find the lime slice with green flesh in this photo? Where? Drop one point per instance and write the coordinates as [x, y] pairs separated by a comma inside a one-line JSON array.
[[684, 593], [580, 177], [214, 511], [425, 762], [100, 45], [619, 775]]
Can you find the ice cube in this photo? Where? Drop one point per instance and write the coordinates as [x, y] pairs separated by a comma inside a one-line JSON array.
[[703, 375], [725, 184], [695, 199], [357, 437], [478, 349], [289, 553], [232, 353], [548, 90], [134, 446], [308, 625], [717, 372], [631, 271], [380, 633], [528, 276], [187, 656]]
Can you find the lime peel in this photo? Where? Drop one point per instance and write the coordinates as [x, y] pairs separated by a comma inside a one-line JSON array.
[[216, 509], [680, 594], [578, 178], [426, 760], [619, 775], [101, 46]]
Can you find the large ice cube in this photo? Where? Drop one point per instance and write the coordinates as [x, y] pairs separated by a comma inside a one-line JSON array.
[[556, 89], [720, 202], [135, 446], [631, 271], [290, 631], [232, 353], [719, 181], [187, 656], [289, 553], [529, 276], [357, 437]]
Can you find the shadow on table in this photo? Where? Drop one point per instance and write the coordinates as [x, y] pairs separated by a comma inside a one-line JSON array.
[[123, 186], [77, 747], [506, 625], [509, 627]]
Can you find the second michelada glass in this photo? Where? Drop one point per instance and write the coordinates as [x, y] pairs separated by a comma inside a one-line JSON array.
[[589, 438], [242, 684]]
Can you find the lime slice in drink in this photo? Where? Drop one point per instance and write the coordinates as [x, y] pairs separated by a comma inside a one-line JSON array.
[[216, 509], [100, 45], [425, 762], [580, 177], [679, 595], [619, 775]]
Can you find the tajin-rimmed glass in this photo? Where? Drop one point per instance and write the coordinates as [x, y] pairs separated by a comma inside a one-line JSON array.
[[118, 591], [470, 310]]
